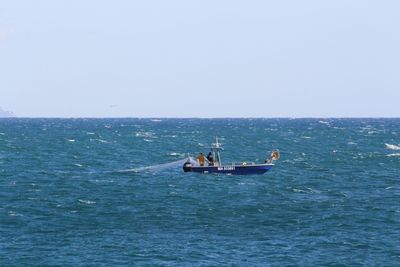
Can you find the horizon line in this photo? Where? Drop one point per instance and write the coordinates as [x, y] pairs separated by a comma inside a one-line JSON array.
[[198, 117]]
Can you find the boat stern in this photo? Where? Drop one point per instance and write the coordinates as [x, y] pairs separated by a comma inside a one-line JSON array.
[[187, 167]]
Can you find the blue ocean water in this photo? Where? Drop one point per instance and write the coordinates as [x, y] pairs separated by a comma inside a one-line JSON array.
[[107, 192]]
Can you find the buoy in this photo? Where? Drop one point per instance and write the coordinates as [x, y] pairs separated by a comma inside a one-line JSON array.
[[275, 155]]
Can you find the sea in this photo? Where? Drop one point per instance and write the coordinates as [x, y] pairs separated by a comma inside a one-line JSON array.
[[112, 192]]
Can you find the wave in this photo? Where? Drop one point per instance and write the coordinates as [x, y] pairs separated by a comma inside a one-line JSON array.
[[175, 154], [394, 155], [88, 202], [145, 134], [325, 122], [392, 147]]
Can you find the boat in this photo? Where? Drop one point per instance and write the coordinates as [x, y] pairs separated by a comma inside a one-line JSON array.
[[216, 165]]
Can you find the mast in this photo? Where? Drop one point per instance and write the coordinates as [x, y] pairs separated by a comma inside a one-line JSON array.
[[216, 148]]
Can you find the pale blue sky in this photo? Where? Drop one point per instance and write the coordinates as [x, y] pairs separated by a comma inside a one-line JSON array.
[[73, 58]]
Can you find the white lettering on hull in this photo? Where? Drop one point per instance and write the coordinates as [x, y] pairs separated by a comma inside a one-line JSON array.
[[226, 168]]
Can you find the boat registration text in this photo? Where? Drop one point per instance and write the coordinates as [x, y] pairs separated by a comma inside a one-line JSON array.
[[226, 168]]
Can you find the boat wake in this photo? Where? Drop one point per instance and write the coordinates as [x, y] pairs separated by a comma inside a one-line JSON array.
[[158, 167], [392, 147]]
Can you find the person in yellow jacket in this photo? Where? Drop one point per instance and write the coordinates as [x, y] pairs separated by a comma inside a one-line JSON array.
[[202, 159]]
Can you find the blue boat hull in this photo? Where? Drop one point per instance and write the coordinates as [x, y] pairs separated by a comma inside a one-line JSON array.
[[232, 169]]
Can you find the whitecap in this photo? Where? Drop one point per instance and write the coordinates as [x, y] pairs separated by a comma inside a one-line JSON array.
[[324, 122], [299, 190], [78, 165], [175, 154], [133, 170], [71, 140], [313, 190], [392, 147], [394, 155], [90, 133], [145, 134], [2, 134], [156, 120], [88, 202], [13, 213], [148, 140], [101, 181], [102, 141]]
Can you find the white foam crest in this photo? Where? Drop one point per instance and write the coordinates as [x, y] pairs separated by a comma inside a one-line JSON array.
[[145, 134], [299, 190], [176, 154], [392, 147], [13, 213], [306, 190], [394, 155], [88, 202], [325, 122]]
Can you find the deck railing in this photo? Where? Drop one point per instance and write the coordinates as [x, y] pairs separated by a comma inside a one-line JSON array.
[[243, 163]]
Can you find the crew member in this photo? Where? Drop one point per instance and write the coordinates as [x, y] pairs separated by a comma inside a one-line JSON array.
[[210, 159], [201, 158]]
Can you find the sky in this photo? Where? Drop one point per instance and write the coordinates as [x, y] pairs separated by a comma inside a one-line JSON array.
[[225, 58]]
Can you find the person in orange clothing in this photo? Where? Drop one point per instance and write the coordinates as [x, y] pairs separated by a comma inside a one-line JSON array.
[[201, 158]]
